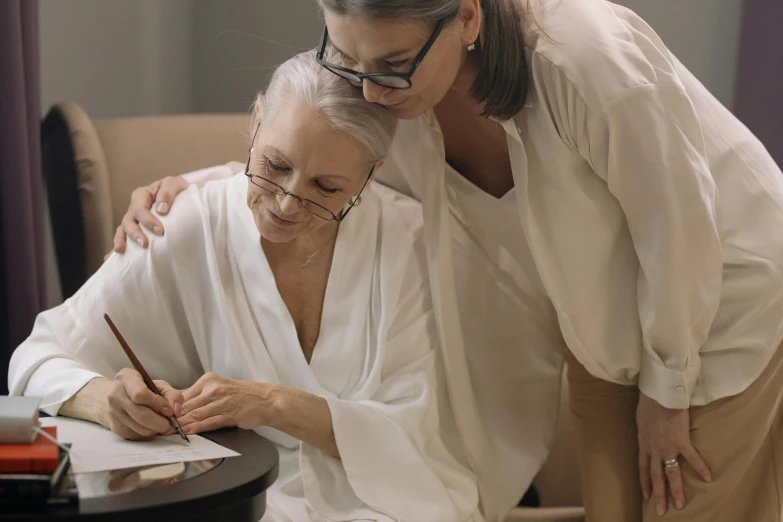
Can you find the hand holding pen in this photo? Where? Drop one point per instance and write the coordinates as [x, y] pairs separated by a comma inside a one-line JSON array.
[[148, 400]]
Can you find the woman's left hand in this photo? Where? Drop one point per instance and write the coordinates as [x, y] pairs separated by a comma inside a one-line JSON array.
[[214, 402], [664, 435]]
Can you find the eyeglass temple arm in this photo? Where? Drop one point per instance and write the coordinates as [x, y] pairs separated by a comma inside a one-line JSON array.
[[359, 194]]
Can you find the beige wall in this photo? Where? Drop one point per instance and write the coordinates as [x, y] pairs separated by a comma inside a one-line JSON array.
[[703, 34], [123, 57], [230, 65], [128, 57], [117, 57], [238, 43]]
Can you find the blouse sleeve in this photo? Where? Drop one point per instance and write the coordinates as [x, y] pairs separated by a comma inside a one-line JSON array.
[[72, 343], [648, 146]]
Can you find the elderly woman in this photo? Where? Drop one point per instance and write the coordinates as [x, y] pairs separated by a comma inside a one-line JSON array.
[[630, 222], [278, 314]]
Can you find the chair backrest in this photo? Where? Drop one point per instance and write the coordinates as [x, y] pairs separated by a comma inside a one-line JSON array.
[[141, 150], [91, 168]]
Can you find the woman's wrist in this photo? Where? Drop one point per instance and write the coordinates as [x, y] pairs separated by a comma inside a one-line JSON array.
[[302, 415], [90, 402], [274, 410]]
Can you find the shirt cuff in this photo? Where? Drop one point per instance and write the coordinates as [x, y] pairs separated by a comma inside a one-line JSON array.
[[56, 381], [671, 388]]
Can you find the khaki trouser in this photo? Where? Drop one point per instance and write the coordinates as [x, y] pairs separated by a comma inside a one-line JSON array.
[[740, 438]]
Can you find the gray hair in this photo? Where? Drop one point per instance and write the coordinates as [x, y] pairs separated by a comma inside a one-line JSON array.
[[430, 11], [342, 104], [502, 83]]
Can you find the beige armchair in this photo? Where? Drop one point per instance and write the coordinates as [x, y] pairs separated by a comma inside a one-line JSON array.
[[91, 166]]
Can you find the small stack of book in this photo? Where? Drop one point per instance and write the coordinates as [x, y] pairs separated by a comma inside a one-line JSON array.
[[34, 474]]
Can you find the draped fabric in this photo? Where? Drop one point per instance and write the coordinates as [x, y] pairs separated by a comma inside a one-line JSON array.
[[22, 275], [203, 298]]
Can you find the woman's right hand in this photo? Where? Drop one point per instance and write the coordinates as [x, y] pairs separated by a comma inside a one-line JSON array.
[[160, 193], [134, 412]]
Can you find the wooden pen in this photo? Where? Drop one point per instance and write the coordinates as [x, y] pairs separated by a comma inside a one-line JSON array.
[[144, 375]]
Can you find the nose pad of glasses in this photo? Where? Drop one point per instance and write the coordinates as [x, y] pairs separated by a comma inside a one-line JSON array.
[[287, 203]]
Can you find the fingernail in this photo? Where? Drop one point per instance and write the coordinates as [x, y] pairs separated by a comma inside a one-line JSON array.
[[646, 495], [163, 207], [140, 242], [157, 230], [659, 510], [168, 412], [678, 504], [709, 478]]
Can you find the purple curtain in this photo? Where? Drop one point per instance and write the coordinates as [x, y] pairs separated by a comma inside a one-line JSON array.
[[22, 272], [759, 98]]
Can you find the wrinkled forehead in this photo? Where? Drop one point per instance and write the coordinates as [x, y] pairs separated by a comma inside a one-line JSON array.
[[304, 137]]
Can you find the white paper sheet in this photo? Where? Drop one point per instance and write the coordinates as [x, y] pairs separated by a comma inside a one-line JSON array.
[[97, 449]]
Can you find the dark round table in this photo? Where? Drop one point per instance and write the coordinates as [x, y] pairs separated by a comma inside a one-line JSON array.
[[226, 490]]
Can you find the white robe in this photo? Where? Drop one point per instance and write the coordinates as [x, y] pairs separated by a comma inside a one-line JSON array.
[[502, 350], [203, 298]]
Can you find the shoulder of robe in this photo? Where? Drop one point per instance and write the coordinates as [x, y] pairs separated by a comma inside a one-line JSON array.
[[195, 210], [586, 54], [399, 211]]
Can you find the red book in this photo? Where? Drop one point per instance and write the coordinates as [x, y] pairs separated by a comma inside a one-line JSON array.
[[40, 456]]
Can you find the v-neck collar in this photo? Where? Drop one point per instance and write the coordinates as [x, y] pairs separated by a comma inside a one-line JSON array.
[[287, 318], [350, 270]]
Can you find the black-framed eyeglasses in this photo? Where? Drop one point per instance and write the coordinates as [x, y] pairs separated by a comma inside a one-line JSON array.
[[384, 79], [307, 204]]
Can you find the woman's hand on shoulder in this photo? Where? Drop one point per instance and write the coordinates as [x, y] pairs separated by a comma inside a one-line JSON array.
[[215, 402], [160, 193]]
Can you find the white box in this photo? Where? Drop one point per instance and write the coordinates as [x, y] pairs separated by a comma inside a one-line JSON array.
[[18, 417]]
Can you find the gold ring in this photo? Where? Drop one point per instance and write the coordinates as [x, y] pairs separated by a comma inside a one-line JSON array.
[[671, 463]]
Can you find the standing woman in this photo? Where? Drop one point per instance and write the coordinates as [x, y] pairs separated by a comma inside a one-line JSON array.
[[570, 166]]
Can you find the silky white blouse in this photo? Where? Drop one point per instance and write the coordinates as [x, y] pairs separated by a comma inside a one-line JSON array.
[[652, 215]]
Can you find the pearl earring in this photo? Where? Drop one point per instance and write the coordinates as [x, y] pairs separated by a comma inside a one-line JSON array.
[[472, 47]]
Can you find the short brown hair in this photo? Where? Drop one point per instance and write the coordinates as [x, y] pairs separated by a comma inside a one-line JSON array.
[[502, 83]]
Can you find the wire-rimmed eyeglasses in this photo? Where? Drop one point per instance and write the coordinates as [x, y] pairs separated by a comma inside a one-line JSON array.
[[307, 204]]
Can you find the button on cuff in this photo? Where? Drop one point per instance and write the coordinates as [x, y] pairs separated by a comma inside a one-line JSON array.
[[671, 388]]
